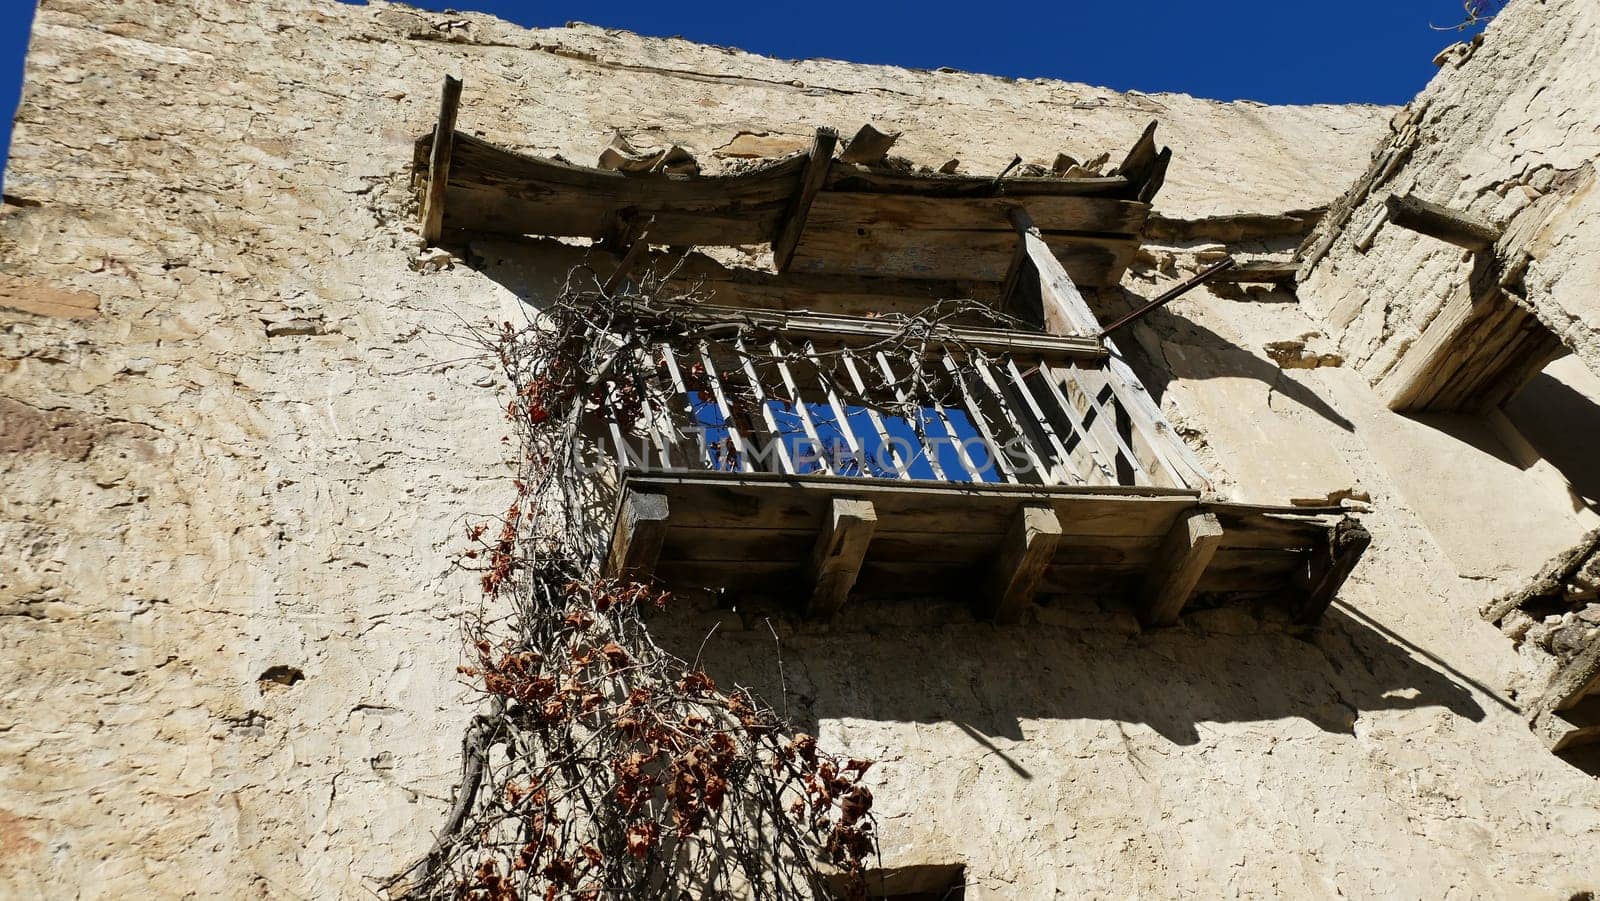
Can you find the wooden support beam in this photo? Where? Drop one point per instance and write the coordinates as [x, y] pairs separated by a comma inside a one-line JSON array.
[[1025, 552], [1323, 574], [636, 537], [811, 181], [444, 139], [1065, 310], [1441, 222], [1182, 560], [636, 238], [840, 551]]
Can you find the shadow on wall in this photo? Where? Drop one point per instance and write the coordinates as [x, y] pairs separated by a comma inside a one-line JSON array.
[[992, 681], [1558, 412], [1214, 357]]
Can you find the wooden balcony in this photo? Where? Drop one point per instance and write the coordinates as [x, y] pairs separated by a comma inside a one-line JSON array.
[[818, 541], [804, 463]]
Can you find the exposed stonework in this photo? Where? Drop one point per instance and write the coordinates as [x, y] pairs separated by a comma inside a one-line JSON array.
[[257, 460], [1515, 150]]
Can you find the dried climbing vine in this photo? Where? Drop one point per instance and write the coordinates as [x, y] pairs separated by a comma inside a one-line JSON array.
[[603, 766]]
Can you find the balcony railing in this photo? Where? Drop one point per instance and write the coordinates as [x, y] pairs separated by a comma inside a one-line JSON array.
[[819, 395]]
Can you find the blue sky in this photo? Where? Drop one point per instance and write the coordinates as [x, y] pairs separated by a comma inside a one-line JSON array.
[[1276, 51]]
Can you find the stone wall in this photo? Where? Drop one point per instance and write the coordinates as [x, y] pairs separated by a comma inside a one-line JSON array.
[[1507, 134], [241, 439]]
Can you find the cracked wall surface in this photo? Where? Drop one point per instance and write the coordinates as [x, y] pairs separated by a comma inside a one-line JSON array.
[[1509, 133], [242, 438]]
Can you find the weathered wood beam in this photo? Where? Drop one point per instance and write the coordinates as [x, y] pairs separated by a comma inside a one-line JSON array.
[[1157, 177], [1323, 574], [637, 535], [1568, 710], [636, 239], [1480, 349], [1441, 222], [811, 181], [1141, 160], [1182, 560], [1025, 552], [444, 136], [841, 549], [1065, 310], [1259, 272]]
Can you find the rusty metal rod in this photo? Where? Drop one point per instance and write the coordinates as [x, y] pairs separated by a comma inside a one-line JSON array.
[[1175, 293]]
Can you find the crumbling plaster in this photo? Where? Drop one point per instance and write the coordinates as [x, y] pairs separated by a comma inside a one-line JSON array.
[[1509, 133], [251, 443]]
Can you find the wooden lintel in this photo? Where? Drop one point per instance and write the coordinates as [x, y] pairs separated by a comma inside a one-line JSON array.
[[1323, 574], [1065, 310], [637, 536], [841, 549], [1182, 560], [1441, 222], [444, 135], [811, 181], [1024, 554]]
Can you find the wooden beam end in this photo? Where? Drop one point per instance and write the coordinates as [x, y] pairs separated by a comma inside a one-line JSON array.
[[637, 535], [1325, 572], [841, 549], [1019, 567], [1181, 562]]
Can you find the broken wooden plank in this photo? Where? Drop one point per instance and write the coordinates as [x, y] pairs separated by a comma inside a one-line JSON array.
[[1566, 730], [1025, 552], [1441, 222], [1157, 177], [637, 535], [841, 548], [492, 189], [1185, 553], [811, 181], [1141, 158], [444, 133], [1323, 573], [868, 146]]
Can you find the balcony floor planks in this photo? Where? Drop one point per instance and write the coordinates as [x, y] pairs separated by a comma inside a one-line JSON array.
[[754, 534]]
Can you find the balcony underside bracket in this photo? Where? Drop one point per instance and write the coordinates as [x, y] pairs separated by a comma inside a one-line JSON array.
[[841, 549]]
